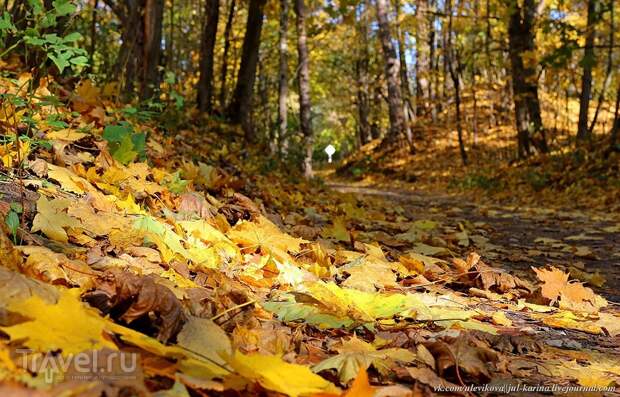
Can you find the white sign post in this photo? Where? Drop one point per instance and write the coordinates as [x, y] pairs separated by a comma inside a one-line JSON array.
[[330, 150]]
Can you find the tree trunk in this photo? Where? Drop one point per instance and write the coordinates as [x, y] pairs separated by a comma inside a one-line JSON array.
[[305, 116], [608, 69], [586, 78], [93, 34], [240, 109], [132, 36], [433, 89], [140, 52], [419, 59], [524, 79], [224, 71], [362, 77], [455, 74], [205, 83], [395, 102], [282, 139], [615, 128], [404, 76], [153, 18]]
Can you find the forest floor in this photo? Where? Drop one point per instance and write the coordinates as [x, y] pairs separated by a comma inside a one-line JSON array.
[[222, 275], [584, 243]]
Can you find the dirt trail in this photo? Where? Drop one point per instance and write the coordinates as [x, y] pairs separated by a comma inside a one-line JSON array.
[[518, 238]]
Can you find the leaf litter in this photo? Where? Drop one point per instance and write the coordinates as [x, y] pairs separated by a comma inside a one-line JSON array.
[[226, 281]]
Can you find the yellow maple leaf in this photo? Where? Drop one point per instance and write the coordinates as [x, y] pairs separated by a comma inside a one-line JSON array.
[[275, 374], [265, 235], [45, 264], [51, 218], [66, 134], [68, 180], [68, 325]]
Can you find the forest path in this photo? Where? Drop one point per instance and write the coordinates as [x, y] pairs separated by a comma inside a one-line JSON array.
[[586, 244]]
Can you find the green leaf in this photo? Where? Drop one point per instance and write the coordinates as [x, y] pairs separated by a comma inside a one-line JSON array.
[[139, 144], [12, 221], [124, 152], [36, 5], [32, 40], [176, 184], [80, 60], [17, 207], [116, 133], [71, 37], [63, 7], [6, 23], [60, 61]]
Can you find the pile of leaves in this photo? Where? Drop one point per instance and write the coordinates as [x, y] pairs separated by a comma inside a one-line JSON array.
[[174, 248]]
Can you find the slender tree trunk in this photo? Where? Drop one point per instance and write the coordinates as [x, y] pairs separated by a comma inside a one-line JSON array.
[[153, 18], [395, 102], [283, 79], [363, 78], [170, 40], [419, 89], [615, 128], [451, 57], [205, 83], [93, 33], [433, 89], [608, 69], [240, 108], [224, 71], [404, 76], [524, 79], [586, 78], [305, 109]]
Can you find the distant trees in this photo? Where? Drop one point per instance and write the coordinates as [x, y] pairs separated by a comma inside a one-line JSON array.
[[366, 70]]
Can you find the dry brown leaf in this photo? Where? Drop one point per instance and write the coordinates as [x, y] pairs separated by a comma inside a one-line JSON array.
[[129, 297]]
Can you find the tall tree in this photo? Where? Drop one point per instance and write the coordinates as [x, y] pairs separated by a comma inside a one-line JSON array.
[[205, 83], [615, 128], [240, 109], [453, 56], [283, 78], [395, 102], [224, 70], [305, 107], [140, 52], [362, 76], [521, 35], [608, 68], [153, 18], [586, 78], [404, 74]]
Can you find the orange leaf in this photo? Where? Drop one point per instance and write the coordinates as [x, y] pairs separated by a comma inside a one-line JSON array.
[[360, 387]]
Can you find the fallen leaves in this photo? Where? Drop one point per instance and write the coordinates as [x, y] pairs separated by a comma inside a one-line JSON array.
[[571, 295], [213, 292], [355, 355], [69, 325], [129, 297], [52, 219], [275, 374]]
